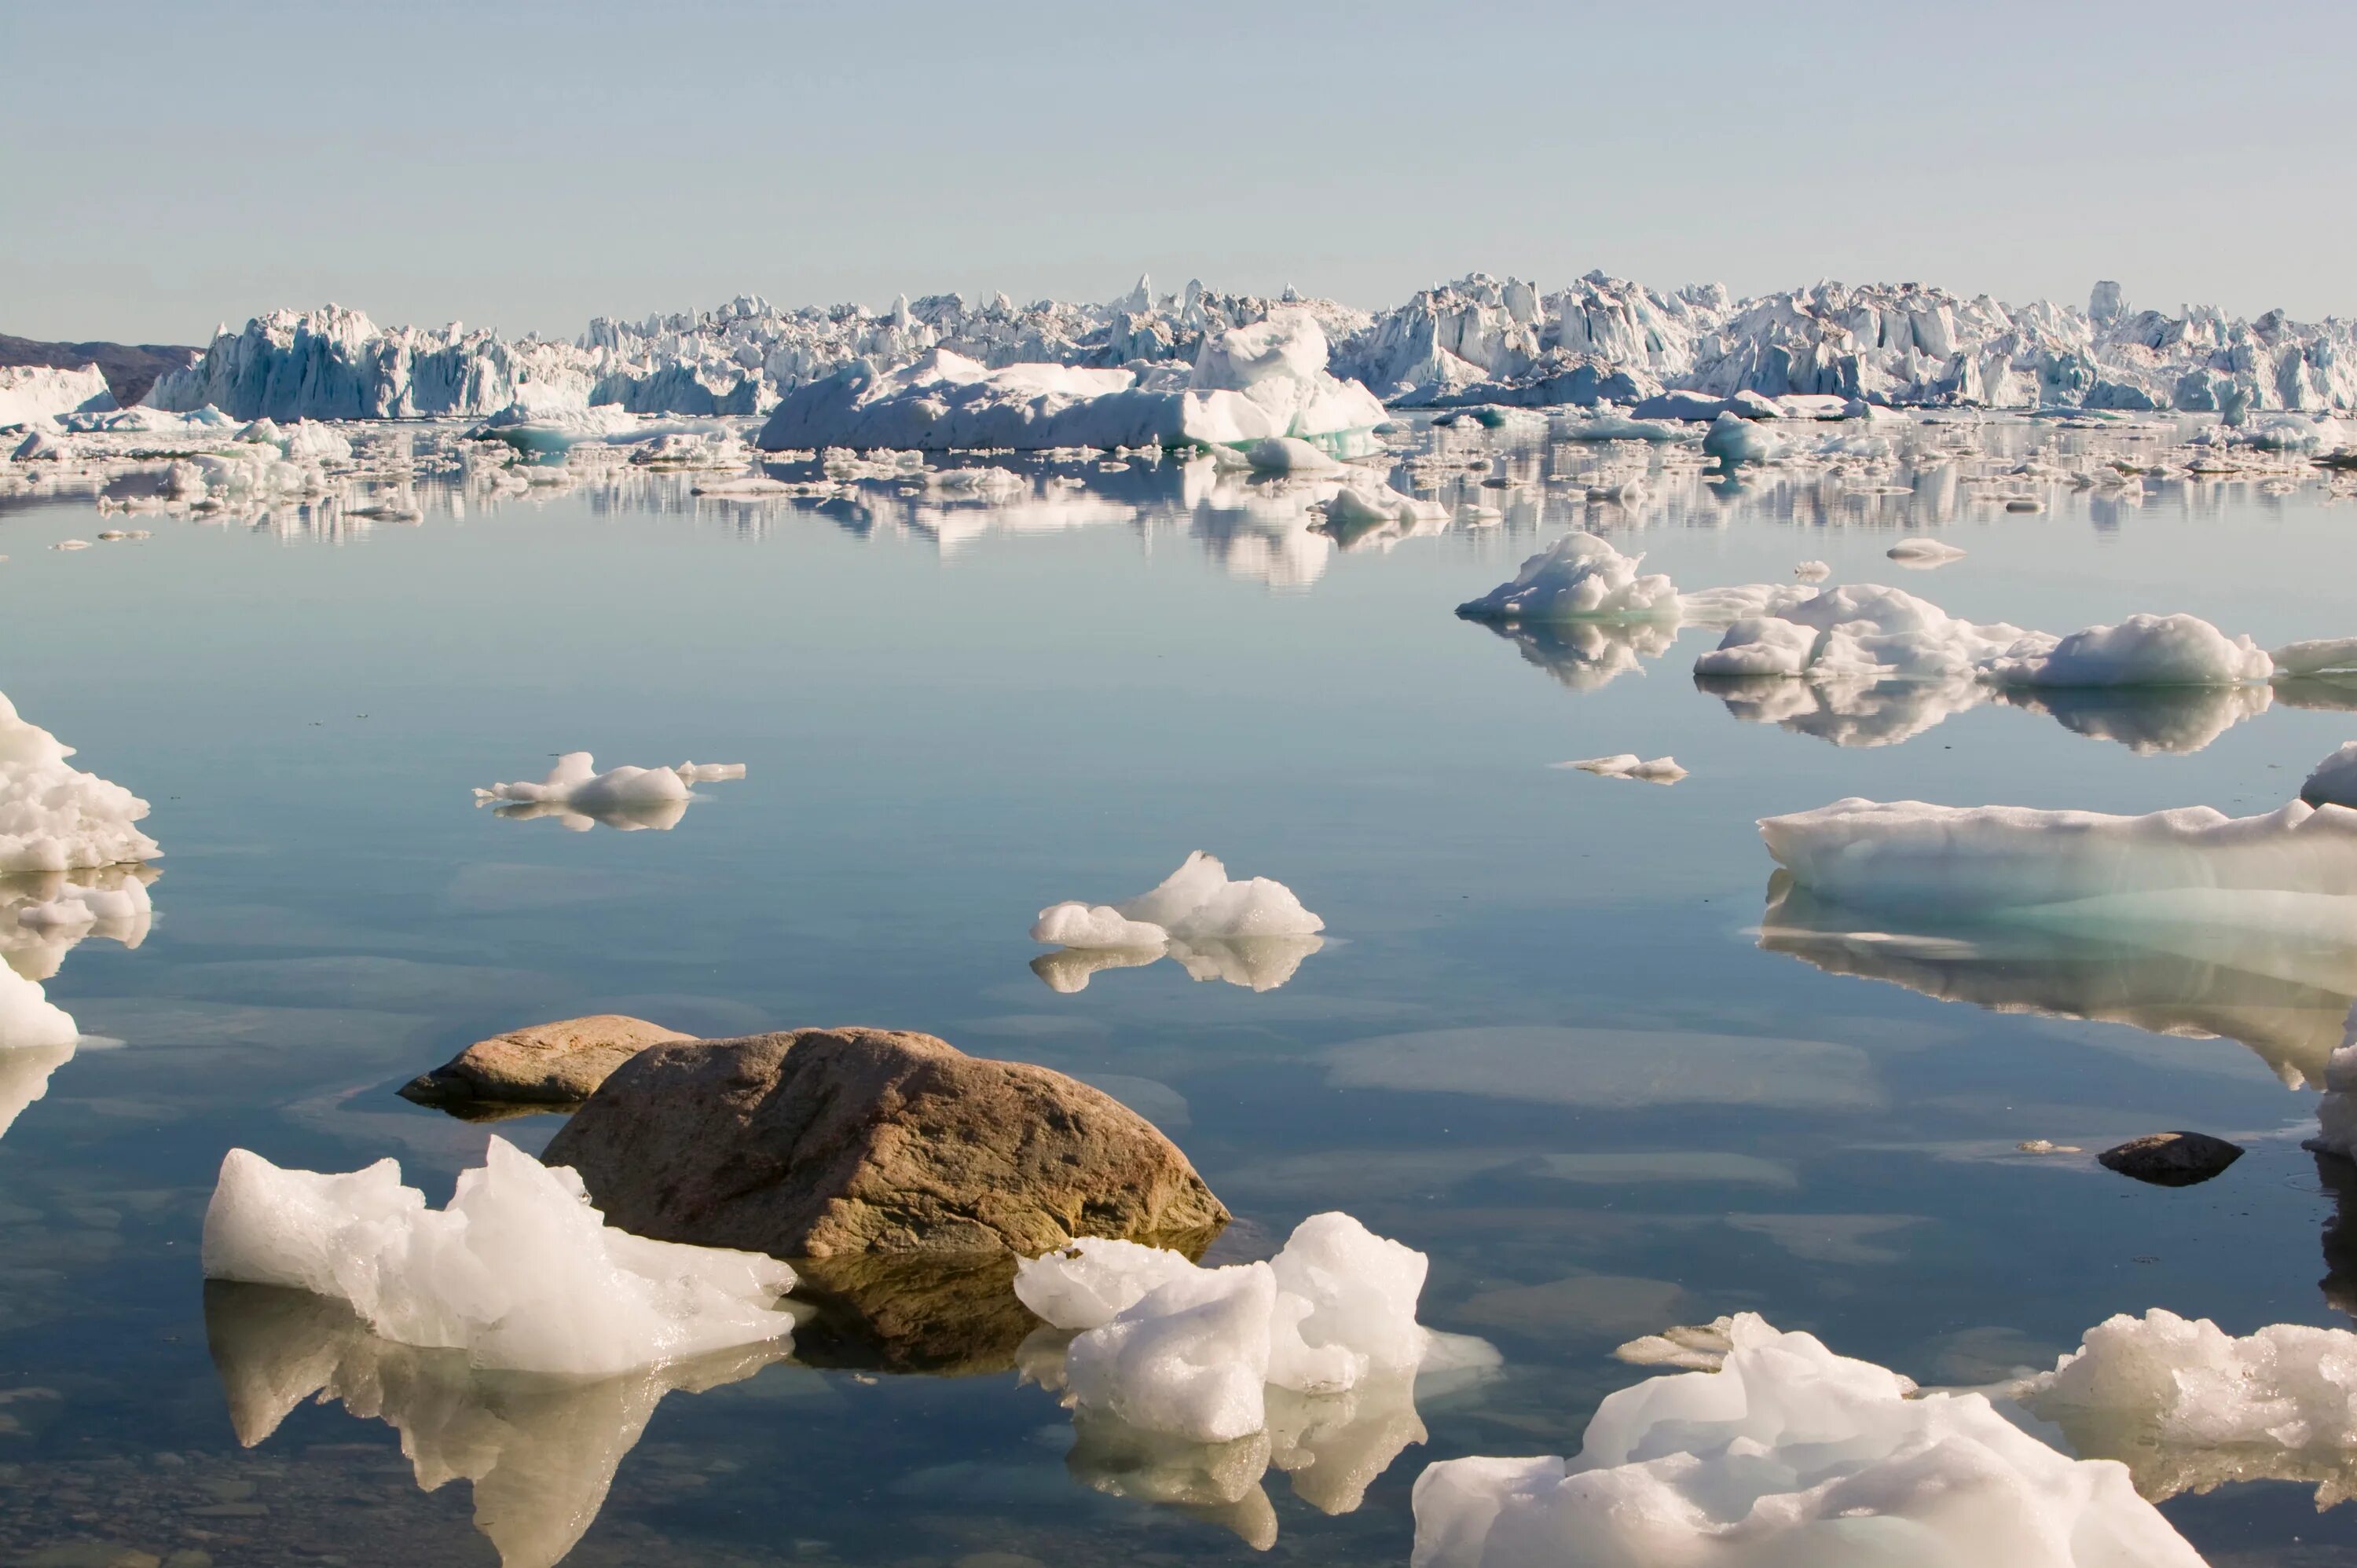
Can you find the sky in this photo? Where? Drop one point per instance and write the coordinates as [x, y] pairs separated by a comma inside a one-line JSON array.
[[527, 166]]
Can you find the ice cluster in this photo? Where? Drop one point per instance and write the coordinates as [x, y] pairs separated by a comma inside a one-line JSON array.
[[1692, 354], [1789, 1455], [1166, 1346], [627, 798], [1251, 932], [518, 1272], [1248, 386], [54, 816]]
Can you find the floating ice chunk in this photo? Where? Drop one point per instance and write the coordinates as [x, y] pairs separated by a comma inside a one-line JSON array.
[[1578, 577], [1734, 439], [1627, 765], [1694, 1348], [626, 797], [539, 1452], [2317, 656], [58, 818], [1199, 876], [520, 1271], [2142, 650], [1857, 630], [2292, 871], [1620, 427], [2333, 781], [1254, 932], [1243, 910], [1288, 455], [1356, 509], [1813, 571], [1923, 554], [1076, 925], [1791, 1455], [1170, 1346]]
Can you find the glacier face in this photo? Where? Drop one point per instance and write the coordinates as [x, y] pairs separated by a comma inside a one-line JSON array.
[[1479, 340]]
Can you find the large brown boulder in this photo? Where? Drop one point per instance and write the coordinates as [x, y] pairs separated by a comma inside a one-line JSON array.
[[825, 1142], [548, 1064]]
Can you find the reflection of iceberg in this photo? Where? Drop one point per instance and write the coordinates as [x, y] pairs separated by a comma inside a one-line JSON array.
[[44, 916], [1258, 963], [1789, 1455], [1848, 710], [2146, 718], [539, 1451], [1585, 655], [627, 798], [2237, 987], [37, 1038]]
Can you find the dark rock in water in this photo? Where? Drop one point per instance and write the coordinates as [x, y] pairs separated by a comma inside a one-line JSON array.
[[2171, 1159], [548, 1065], [826, 1143]]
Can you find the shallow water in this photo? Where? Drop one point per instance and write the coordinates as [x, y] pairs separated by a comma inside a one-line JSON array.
[[1544, 1041]]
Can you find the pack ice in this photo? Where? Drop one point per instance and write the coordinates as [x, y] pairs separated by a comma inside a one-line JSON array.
[[1253, 932], [1789, 1455], [627, 798], [1166, 1346], [520, 1271], [1248, 385], [539, 1452]]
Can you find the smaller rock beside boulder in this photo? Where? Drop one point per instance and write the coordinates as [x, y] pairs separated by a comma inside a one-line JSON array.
[[558, 1064], [2171, 1159]]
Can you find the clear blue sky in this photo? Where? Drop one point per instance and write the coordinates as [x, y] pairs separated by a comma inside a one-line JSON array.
[[530, 165]]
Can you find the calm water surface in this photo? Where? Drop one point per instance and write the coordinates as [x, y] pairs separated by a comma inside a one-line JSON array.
[[1545, 1042]]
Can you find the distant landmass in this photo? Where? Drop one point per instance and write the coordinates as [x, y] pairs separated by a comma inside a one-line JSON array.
[[130, 369]]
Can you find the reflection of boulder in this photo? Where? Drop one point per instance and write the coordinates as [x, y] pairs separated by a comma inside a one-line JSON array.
[[822, 1142], [540, 1451], [1585, 655], [2145, 719], [912, 1313], [1847, 710], [2290, 1014]]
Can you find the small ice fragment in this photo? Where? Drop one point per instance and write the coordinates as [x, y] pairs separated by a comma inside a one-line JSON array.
[[1813, 571], [1924, 554], [521, 1271], [1627, 765], [625, 797], [1696, 1347], [2044, 1147]]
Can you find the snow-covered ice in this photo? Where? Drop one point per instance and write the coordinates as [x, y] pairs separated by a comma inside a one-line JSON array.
[[1788, 1455], [54, 816], [1166, 1346], [520, 1271], [627, 797]]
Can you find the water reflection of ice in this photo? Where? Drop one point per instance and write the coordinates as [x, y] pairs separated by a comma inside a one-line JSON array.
[[2286, 1005], [539, 1452], [1587, 655]]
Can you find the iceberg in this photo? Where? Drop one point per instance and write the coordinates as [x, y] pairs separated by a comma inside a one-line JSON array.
[[37, 394], [520, 1272], [1166, 1346], [1791, 1455], [54, 816], [627, 798], [1254, 932], [1579, 578], [539, 1452], [1250, 385]]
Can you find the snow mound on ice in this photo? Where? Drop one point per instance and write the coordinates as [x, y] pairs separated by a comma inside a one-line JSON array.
[[1792, 1454], [1170, 1347], [57, 817], [1578, 577], [521, 1271]]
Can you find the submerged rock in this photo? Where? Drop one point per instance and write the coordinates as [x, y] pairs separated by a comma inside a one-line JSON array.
[[548, 1064], [2171, 1159], [822, 1143]]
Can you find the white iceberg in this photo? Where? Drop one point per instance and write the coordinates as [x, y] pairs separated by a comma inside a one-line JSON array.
[[1733, 439], [1789, 1456], [2142, 650], [1170, 1346], [1249, 384], [626, 797], [1251, 932], [1579, 578], [35, 394], [58, 818], [521, 1271]]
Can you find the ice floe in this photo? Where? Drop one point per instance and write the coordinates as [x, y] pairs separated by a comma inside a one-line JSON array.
[[539, 1451], [1787, 1455], [1252, 932], [520, 1271], [627, 798]]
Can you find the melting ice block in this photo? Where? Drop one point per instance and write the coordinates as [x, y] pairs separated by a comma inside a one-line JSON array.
[[54, 816], [518, 1272], [626, 797], [1170, 1346], [1579, 578], [1788, 1455]]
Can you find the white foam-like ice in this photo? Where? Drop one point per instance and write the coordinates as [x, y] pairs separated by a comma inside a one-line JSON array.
[[1579, 578], [54, 816], [520, 1270], [1789, 1456], [1174, 1348], [2186, 1382]]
